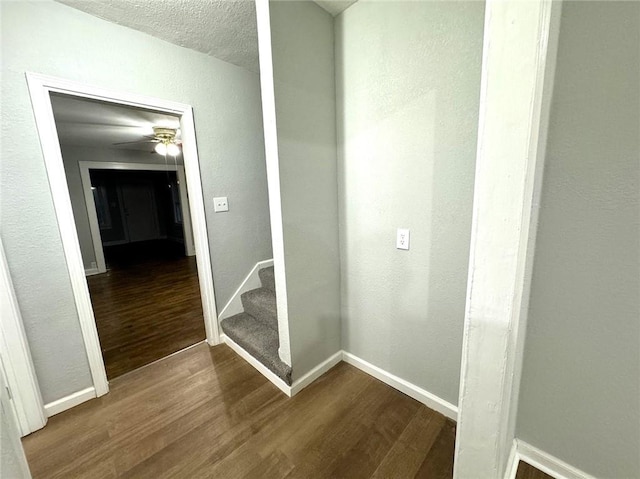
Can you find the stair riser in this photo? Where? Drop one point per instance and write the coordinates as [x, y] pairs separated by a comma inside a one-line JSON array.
[[261, 313], [267, 278], [259, 341]]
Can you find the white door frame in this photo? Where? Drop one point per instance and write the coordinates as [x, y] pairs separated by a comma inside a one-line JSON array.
[[16, 358], [10, 418], [40, 88], [85, 166], [520, 44]]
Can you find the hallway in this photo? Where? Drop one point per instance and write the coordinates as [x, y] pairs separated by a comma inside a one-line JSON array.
[[147, 305], [205, 412]]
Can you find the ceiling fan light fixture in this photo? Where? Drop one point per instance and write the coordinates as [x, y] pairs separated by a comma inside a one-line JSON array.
[[173, 149], [161, 148]]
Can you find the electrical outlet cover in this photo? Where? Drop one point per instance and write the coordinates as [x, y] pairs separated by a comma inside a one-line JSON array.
[[220, 204], [402, 238]]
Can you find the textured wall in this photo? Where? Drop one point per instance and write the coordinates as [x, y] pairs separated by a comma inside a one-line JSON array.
[[408, 83], [303, 64], [580, 392], [71, 156], [50, 38]]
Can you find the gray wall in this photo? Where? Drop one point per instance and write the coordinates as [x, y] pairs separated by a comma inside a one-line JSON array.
[[579, 399], [408, 83], [303, 64], [50, 38], [72, 155]]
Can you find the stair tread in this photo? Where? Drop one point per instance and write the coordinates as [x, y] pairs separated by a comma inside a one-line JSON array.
[[259, 340]]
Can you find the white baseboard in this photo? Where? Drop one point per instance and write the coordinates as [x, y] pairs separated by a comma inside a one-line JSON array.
[[513, 461], [425, 397], [262, 369], [298, 385], [315, 373], [252, 281], [69, 401], [547, 463], [91, 271]]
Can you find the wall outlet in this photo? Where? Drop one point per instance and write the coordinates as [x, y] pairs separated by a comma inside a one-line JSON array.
[[220, 204], [402, 238]]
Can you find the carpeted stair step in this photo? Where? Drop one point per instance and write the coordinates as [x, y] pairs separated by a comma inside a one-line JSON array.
[[267, 278], [261, 304], [259, 340]]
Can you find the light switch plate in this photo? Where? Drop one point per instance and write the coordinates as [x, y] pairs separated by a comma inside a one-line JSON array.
[[220, 204], [402, 238]]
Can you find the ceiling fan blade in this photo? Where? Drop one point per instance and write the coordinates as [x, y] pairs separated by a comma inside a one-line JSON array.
[[136, 142]]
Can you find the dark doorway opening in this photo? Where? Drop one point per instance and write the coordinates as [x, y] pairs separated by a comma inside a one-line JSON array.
[[148, 304]]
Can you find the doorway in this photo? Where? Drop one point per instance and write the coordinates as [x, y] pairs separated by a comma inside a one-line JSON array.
[[143, 279], [75, 239], [146, 301]]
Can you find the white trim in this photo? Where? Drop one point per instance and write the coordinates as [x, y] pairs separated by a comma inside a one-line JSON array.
[[517, 38], [11, 433], [41, 101], [189, 245], [316, 372], [40, 87], [261, 368], [91, 271], [92, 214], [199, 225], [538, 149], [298, 385], [16, 357], [513, 462], [129, 166], [421, 395], [67, 402], [425, 397], [251, 281], [267, 90], [547, 463]]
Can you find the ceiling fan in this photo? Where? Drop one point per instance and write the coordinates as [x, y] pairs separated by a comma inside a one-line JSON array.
[[164, 138]]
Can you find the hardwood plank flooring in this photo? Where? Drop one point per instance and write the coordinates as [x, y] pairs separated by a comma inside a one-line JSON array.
[[205, 413], [146, 306], [527, 471]]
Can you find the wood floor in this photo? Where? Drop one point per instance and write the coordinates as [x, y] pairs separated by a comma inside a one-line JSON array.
[[525, 471], [147, 306], [206, 413]]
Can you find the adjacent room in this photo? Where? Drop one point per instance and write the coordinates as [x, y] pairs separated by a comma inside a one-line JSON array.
[[125, 174]]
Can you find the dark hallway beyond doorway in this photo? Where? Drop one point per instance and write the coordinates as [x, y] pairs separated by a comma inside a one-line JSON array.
[[147, 305], [131, 255]]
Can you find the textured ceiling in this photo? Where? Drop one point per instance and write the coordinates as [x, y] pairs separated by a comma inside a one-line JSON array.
[[225, 29], [335, 7], [98, 124]]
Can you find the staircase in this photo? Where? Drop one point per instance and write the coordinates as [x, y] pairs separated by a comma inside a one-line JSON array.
[[256, 330]]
